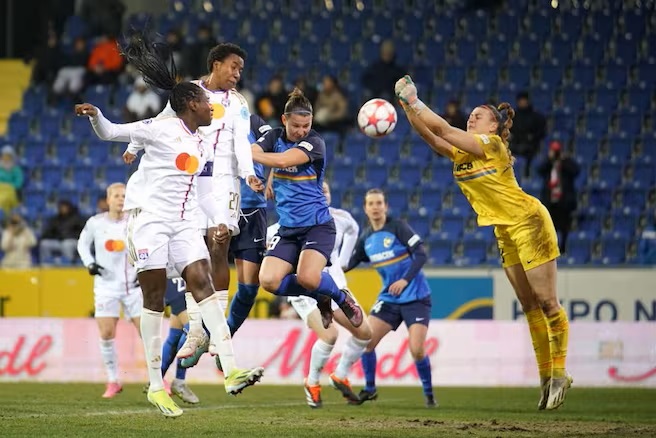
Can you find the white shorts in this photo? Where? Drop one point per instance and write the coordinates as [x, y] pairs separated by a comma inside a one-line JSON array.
[[227, 193], [155, 243], [108, 303]]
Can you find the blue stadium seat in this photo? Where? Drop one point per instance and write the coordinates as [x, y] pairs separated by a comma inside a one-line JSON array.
[[441, 249], [20, 124], [98, 95], [611, 172], [420, 224], [644, 173], [619, 146], [631, 124], [579, 248], [475, 249], [639, 98], [614, 249], [52, 176], [519, 75], [586, 148], [453, 224], [397, 199]]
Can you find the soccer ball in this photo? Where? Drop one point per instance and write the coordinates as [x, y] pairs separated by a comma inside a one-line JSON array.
[[377, 118]]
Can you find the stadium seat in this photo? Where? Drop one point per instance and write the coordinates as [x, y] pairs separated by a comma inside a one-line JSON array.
[[579, 247]]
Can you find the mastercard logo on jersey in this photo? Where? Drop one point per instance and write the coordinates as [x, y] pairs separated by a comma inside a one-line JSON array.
[[114, 245], [186, 163]]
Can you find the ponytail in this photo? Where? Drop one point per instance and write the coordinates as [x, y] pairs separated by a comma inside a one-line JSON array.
[[298, 103], [160, 71]]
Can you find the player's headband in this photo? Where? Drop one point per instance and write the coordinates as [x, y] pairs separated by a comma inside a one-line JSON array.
[[300, 112], [497, 114]]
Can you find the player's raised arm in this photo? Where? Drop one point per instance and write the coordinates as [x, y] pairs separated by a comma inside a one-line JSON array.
[[436, 143], [243, 152], [406, 91]]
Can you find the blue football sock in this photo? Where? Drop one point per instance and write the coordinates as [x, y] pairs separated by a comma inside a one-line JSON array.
[[180, 372], [424, 371], [170, 348], [289, 287], [369, 368], [241, 305], [327, 286]]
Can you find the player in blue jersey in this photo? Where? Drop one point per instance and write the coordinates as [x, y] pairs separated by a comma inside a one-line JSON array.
[[398, 254], [249, 245], [306, 238]]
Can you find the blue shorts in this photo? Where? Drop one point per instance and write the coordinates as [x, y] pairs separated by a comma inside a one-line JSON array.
[[288, 243], [175, 297], [250, 243], [414, 312]]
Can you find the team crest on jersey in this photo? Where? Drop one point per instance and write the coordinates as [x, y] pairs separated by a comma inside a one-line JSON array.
[[387, 242], [142, 254], [244, 113]]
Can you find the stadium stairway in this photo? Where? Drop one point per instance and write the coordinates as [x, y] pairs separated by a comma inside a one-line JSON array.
[[14, 79]]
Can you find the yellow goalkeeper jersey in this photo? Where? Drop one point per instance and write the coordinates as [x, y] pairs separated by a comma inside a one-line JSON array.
[[490, 185]]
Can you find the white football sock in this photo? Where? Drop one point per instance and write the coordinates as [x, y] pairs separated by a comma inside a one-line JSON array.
[[223, 299], [320, 354], [215, 321], [151, 334], [193, 312], [108, 352], [352, 352]]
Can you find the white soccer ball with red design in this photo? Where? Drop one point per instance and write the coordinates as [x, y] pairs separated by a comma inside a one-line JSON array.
[[377, 118]]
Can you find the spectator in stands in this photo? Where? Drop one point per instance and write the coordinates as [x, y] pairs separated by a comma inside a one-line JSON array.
[[558, 173], [105, 61], [17, 242], [70, 76], [647, 242], [271, 104], [527, 131], [103, 16], [195, 55], [142, 103], [11, 179], [61, 232], [454, 115], [46, 61], [331, 107], [379, 78]]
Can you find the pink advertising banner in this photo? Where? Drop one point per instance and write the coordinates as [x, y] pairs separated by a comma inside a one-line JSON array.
[[462, 353]]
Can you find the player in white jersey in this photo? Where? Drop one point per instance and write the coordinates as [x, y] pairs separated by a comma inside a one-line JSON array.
[[163, 222], [228, 135], [306, 307], [115, 283]]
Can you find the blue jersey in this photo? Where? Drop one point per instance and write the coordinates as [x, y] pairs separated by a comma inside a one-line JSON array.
[[250, 198], [389, 250], [300, 201]]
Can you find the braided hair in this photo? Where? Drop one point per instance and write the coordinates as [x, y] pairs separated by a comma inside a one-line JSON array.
[[503, 114], [155, 62]]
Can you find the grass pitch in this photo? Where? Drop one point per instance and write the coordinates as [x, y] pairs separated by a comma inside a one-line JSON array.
[[36, 410]]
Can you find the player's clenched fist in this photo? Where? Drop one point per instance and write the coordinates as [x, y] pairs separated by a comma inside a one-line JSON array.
[[86, 109], [255, 184]]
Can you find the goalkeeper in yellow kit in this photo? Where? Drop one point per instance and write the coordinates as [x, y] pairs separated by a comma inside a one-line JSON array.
[[524, 230]]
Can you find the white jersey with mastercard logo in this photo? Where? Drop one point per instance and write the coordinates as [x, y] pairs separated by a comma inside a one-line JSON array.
[[165, 183], [107, 238]]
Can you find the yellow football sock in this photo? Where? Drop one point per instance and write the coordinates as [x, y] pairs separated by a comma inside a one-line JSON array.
[[537, 324], [558, 338]]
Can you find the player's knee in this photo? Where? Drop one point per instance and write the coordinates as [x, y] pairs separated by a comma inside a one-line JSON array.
[[364, 332], [309, 280], [107, 333], [549, 305], [269, 281], [417, 351], [328, 336]]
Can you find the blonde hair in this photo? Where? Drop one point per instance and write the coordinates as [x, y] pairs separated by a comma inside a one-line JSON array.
[[111, 187]]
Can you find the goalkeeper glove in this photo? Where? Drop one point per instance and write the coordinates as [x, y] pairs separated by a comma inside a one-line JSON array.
[[95, 269]]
